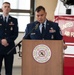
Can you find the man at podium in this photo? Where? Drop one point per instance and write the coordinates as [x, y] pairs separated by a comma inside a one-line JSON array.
[[42, 28]]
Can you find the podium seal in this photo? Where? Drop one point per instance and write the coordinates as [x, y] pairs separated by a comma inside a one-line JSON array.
[[41, 53]]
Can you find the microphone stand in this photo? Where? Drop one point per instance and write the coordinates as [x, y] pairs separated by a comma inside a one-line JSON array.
[[19, 45]]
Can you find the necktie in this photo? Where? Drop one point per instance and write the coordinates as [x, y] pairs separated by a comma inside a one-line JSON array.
[[43, 30], [5, 20]]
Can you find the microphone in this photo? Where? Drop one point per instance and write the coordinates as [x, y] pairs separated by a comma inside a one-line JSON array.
[[34, 28], [37, 26]]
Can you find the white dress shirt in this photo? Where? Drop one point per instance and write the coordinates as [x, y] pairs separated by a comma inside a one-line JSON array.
[[6, 18]]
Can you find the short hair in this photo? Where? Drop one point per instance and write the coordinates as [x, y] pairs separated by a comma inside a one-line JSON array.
[[6, 3], [39, 8]]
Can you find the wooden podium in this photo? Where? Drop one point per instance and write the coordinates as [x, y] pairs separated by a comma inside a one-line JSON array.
[[54, 66]]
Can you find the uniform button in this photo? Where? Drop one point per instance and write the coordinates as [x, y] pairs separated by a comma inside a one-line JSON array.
[[5, 29], [5, 33], [42, 38]]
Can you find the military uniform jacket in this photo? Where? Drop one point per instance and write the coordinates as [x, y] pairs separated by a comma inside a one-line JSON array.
[[52, 31], [8, 31]]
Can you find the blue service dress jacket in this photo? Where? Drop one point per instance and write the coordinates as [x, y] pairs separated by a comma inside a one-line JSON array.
[[8, 31], [52, 31]]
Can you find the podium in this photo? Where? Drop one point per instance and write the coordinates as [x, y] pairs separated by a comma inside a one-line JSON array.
[[42, 57]]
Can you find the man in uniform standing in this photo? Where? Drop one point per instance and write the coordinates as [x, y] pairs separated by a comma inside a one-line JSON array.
[[8, 34]]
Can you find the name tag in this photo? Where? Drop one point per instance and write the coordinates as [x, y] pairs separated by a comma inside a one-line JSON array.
[[33, 33]]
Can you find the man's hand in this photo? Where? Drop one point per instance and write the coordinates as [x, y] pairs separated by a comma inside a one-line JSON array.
[[4, 42], [65, 46]]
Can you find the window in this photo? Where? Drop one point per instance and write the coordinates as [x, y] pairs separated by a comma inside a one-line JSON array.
[[21, 9]]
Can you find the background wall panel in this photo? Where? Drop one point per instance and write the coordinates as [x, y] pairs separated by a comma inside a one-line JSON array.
[[49, 5]]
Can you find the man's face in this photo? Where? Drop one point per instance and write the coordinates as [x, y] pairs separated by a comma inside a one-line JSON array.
[[41, 16], [6, 8]]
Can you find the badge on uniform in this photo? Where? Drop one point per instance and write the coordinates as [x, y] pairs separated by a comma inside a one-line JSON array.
[[11, 23], [33, 33], [52, 37], [52, 30]]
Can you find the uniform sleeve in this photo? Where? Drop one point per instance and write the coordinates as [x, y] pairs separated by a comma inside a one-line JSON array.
[[27, 35], [58, 33]]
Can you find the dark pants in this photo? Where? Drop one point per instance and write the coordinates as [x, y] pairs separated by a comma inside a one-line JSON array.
[[8, 62]]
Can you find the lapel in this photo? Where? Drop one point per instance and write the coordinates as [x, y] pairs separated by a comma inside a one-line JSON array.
[[47, 24], [2, 21], [47, 27], [1, 18], [9, 19]]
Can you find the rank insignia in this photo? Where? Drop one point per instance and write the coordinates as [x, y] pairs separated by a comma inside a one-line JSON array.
[[11, 28], [11, 23], [52, 30]]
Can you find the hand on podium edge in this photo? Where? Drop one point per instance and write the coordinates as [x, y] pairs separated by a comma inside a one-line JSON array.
[[65, 46]]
